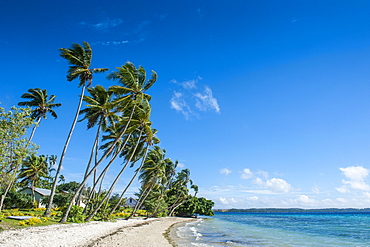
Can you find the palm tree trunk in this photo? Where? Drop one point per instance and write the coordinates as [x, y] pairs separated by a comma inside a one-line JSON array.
[[64, 218], [52, 193], [8, 187], [107, 167], [173, 210], [115, 180], [138, 204], [5, 193], [33, 130], [13, 179], [33, 193], [170, 207], [182, 202], [90, 159], [161, 196], [132, 179], [141, 201]]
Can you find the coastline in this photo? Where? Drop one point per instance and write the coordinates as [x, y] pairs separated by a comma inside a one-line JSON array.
[[171, 233], [133, 232]]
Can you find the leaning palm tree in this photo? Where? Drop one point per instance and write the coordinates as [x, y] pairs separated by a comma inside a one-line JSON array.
[[79, 57], [129, 97], [132, 91], [148, 139], [170, 172], [181, 186], [140, 123], [42, 104], [153, 174], [99, 111]]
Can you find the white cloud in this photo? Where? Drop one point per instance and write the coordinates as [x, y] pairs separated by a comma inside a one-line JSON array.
[[366, 195], [190, 84], [355, 172], [357, 184], [343, 200], [260, 192], [179, 104], [206, 101], [106, 43], [343, 189], [193, 98], [247, 174], [262, 173], [278, 185], [225, 171], [306, 200], [229, 196], [180, 165], [104, 25], [224, 200], [274, 184], [355, 179]]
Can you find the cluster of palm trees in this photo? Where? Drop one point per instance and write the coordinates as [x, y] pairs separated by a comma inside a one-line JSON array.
[[121, 117]]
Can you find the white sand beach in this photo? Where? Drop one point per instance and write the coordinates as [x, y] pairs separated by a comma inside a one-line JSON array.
[[134, 232]]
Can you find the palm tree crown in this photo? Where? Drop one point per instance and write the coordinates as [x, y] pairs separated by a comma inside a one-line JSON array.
[[99, 107], [80, 59], [33, 169], [41, 102], [134, 84]]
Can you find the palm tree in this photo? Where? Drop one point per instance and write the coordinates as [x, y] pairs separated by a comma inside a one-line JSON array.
[[186, 199], [144, 125], [130, 95], [140, 123], [153, 174], [79, 57], [62, 179], [97, 112], [52, 159], [42, 104], [181, 189], [170, 173], [34, 168]]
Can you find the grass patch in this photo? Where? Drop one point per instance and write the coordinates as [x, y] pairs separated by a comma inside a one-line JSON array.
[[36, 220]]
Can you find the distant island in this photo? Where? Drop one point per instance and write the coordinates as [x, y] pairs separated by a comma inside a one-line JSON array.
[[295, 210]]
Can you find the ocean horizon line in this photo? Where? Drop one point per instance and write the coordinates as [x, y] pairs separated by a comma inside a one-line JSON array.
[[292, 210]]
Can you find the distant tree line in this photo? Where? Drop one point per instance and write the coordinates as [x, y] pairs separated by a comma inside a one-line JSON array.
[[295, 210]]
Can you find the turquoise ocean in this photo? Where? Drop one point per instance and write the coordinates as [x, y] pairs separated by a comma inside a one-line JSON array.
[[277, 229]]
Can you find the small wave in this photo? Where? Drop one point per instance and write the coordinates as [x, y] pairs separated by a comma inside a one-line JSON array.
[[195, 233]]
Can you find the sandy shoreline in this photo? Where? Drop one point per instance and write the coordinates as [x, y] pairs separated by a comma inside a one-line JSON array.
[[134, 232]]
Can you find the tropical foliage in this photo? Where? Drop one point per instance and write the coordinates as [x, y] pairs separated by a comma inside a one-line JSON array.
[[14, 146], [124, 138], [41, 104], [34, 169]]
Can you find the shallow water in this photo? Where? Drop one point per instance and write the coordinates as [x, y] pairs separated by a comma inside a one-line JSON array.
[[274, 229]]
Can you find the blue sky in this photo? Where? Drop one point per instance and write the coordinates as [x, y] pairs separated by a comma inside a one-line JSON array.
[[266, 102]]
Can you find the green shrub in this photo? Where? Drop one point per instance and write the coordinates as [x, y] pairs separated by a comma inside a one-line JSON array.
[[104, 215], [76, 214], [18, 199]]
